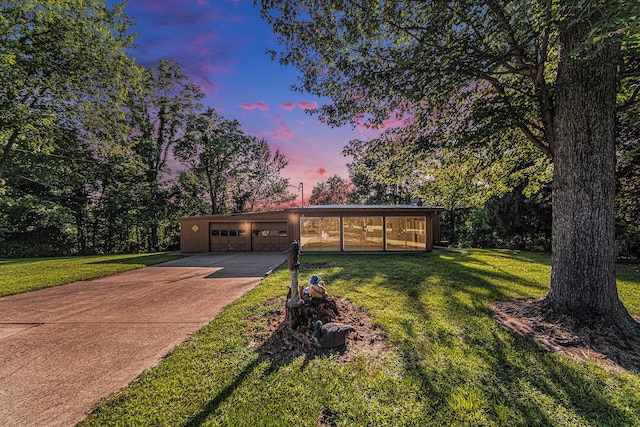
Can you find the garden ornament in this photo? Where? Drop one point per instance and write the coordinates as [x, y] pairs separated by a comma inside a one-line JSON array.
[[330, 334], [292, 259]]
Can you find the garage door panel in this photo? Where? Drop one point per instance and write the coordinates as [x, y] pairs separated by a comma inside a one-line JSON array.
[[269, 236], [228, 237]]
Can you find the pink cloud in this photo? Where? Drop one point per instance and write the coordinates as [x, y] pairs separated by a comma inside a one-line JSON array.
[[282, 132], [302, 122], [213, 69], [362, 127], [287, 106], [275, 117], [305, 105], [319, 172], [208, 87], [202, 42], [392, 122], [259, 105]]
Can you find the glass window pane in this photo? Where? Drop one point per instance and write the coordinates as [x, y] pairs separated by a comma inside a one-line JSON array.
[[363, 234], [310, 234], [372, 234], [233, 232], [396, 234], [224, 232], [215, 232], [406, 233], [320, 234], [416, 234], [353, 234], [330, 234]]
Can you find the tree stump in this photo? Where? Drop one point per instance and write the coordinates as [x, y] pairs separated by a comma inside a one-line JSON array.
[[313, 309]]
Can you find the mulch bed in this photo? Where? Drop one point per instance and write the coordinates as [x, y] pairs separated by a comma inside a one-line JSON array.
[[273, 339], [602, 344]]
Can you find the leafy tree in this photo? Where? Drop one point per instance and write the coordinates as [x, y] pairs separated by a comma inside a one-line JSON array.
[[157, 117], [469, 70], [628, 186], [333, 191], [210, 149], [233, 171], [381, 171], [188, 195], [259, 185], [48, 196], [59, 62], [116, 217]]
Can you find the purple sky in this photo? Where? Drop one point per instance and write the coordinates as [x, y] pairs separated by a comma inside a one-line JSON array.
[[220, 45]]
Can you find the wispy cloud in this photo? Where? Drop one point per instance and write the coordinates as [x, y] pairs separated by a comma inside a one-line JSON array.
[[287, 106], [192, 34], [319, 172], [259, 105], [307, 105], [283, 132], [202, 43], [392, 123]]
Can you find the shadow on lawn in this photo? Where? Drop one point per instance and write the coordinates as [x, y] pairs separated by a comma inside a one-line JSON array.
[[522, 382], [277, 347], [450, 345], [276, 362], [213, 404]]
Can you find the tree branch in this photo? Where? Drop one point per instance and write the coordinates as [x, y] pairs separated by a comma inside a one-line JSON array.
[[6, 151], [546, 149], [514, 47]]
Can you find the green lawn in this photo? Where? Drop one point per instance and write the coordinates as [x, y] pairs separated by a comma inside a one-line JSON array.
[[30, 274], [449, 363]]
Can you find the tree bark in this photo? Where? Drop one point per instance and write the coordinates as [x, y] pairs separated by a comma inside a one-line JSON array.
[[583, 283]]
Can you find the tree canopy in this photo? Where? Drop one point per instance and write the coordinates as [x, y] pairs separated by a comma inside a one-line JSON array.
[[60, 63], [334, 191], [466, 74], [88, 139], [462, 70]]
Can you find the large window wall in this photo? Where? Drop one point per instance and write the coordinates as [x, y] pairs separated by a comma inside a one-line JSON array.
[[362, 233], [320, 233], [406, 233]]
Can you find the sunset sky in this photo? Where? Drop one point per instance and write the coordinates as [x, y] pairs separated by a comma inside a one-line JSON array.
[[220, 45]]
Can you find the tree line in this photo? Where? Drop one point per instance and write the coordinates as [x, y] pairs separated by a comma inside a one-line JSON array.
[[100, 155]]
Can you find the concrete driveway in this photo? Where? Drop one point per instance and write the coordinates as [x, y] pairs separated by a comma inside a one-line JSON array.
[[62, 349]]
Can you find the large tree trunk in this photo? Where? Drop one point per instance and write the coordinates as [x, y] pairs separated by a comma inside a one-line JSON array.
[[583, 283]]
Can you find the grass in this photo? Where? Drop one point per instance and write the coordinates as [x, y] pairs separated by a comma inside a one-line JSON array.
[[449, 363], [30, 274]]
